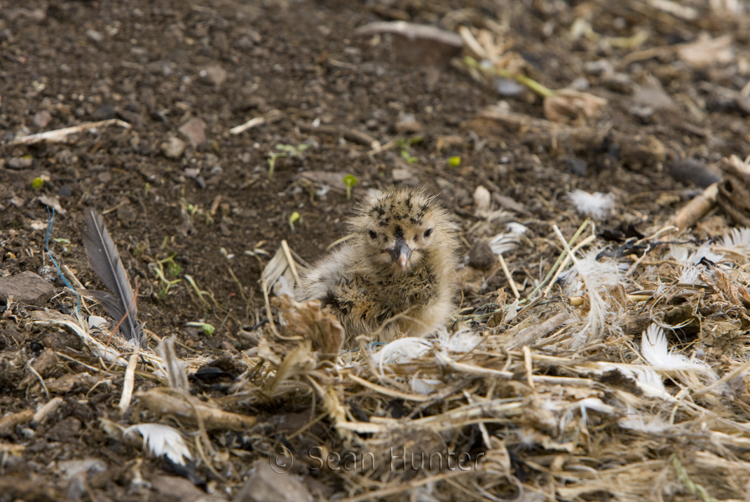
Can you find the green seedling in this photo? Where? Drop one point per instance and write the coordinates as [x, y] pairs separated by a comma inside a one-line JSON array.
[[207, 328], [173, 269], [294, 151], [349, 180], [272, 156], [201, 293], [62, 241], [37, 184], [163, 269], [410, 159], [405, 147], [293, 218], [454, 161], [139, 249], [146, 188]]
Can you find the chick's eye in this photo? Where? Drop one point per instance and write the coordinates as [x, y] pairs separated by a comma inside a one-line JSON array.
[[428, 232], [373, 234]]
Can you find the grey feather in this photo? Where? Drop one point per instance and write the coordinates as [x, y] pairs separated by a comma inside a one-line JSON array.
[[105, 260]]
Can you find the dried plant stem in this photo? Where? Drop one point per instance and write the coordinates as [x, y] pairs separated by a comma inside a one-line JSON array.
[[404, 487], [508, 276], [129, 381], [290, 260], [388, 392], [532, 84], [697, 208]]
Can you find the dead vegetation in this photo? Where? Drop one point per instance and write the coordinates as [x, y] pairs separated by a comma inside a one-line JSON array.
[[599, 351]]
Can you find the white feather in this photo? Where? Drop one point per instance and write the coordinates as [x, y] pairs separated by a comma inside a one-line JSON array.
[[690, 274], [460, 342], [597, 205], [282, 287], [593, 276], [162, 440], [646, 379], [402, 350], [591, 273], [502, 243], [641, 423], [650, 382], [737, 238], [655, 351], [686, 258], [424, 386]]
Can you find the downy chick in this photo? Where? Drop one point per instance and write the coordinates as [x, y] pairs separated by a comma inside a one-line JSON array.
[[396, 274]]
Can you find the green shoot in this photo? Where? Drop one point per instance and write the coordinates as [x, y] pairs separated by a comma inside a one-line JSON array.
[[409, 158], [207, 328], [272, 156], [37, 184], [198, 291], [172, 270], [292, 218], [201, 293], [533, 85], [404, 145], [349, 180], [139, 249], [454, 161]]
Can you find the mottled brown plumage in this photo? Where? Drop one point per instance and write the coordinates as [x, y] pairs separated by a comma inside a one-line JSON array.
[[395, 276]]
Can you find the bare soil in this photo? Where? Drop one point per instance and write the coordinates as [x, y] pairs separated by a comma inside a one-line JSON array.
[[156, 65]]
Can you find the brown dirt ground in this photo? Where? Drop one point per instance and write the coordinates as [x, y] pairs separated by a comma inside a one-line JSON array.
[[158, 64]]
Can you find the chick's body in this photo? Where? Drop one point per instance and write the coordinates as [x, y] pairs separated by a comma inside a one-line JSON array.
[[396, 274]]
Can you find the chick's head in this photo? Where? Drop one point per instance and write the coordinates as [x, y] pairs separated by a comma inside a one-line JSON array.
[[398, 228]]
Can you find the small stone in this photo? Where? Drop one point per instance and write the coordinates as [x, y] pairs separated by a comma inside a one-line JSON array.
[[195, 131], [481, 256], [265, 485], [65, 191], [176, 488], [26, 288], [65, 430], [94, 35], [408, 123], [173, 148], [214, 74], [694, 170], [53, 202], [104, 112], [401, 174], [482, 201], [42, 119], [417, 45], [19, 162], [127, 215], [63, 384]]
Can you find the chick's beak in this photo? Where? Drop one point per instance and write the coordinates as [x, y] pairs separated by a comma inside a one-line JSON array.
[[401, 253]]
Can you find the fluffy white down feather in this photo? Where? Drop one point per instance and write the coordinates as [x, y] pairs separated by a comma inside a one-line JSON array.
[[737, 238], [597, 205], [162, 440], [655, 351]]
